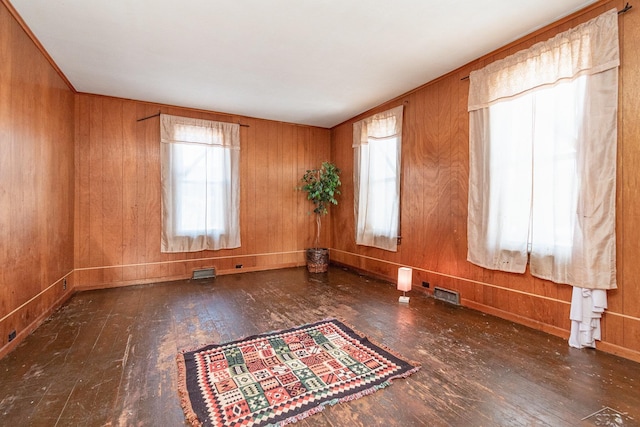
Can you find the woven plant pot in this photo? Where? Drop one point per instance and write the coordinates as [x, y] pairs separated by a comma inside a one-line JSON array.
[[317, 260]]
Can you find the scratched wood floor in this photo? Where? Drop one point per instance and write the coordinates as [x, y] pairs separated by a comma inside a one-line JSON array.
[[108, 357]]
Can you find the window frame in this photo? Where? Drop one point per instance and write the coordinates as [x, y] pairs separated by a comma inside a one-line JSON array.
[[210, 137], [591, 262], [367, 134]]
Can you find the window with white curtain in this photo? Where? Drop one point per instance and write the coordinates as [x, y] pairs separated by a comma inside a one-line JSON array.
[[543, 134], [200, 184], [377, 143], [533, 169]]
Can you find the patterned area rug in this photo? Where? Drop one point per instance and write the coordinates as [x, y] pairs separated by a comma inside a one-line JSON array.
[[281, 377]]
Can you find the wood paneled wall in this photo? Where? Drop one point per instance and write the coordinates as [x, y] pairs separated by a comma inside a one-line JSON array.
[[106, 231], [118, 195], [434, 201], [36, 184]]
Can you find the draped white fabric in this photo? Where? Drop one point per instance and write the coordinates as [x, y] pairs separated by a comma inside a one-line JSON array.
[[200, 184], [589, 48], [377, 142], [542, 166], [587, 307]]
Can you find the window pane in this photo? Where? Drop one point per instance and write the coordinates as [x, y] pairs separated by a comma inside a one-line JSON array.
[[532, 170], [558, 118], [199, 175], [510, 165], [377, 141], [200, 184], [383, 186]]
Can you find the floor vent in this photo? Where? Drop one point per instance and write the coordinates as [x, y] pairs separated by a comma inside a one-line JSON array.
[[446, 295], [205, 273]]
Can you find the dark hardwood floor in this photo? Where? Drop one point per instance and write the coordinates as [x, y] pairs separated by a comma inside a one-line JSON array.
[[108, 357]]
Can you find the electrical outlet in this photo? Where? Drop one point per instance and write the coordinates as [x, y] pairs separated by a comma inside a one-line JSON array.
[[425, 284], [238, 265], [12, 335], [64, 284]]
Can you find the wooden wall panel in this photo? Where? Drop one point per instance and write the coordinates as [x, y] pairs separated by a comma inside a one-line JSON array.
[[428, 136], [629, 187], [130, 214], [261, 211], [115, 219], [459, 178], [302, 150], [434, 201], [6, 157], [119, 194], [410, 176], [445, 244], [248, 193], [36, 184]]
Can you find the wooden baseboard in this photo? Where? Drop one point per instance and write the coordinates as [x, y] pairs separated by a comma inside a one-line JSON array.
[[146, 281], [559, 332], [522, 320], [26, 331], [618, 351], [534, 324]]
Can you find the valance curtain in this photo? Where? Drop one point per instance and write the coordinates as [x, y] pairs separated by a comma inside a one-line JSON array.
[[554, 166], [377, 142], [200, 162]]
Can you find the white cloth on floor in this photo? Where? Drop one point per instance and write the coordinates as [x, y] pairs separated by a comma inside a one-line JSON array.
[[587, 306]]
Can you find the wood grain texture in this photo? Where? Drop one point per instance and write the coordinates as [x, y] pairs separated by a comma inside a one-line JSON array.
[[108, 358], [107, 228], [434, 200], [628, 171], [36, 183], [119, 195]]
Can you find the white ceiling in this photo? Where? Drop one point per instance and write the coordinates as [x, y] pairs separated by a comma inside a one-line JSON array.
[[315, 62]]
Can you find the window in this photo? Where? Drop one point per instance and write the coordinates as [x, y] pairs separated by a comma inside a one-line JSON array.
[[542, 165], [377, 146], [533, 169], [200, 197]]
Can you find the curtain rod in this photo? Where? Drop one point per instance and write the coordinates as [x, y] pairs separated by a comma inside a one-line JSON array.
[[626, 9], [158, 114], [148, 117]]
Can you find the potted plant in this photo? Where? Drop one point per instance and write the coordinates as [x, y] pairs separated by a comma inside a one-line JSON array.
[[321, 186]]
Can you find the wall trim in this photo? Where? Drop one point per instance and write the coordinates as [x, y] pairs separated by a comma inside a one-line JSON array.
[[618, 351], [26, 331], [608, 312], [152, 280], [558, 332], [36, 296], [190, 260]]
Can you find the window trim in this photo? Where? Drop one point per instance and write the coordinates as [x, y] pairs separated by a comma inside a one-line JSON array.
[[210, 135], [383, 125]]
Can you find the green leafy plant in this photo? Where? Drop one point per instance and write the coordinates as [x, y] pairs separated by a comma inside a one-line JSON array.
[[321, 186]]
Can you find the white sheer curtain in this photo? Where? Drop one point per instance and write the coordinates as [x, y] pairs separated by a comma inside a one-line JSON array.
[[200, 184], [377, 142], [542, 170]]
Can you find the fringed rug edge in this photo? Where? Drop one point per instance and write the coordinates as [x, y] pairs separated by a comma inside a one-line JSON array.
[[344, 399], [192, 418], [416, 364], [185, 402]]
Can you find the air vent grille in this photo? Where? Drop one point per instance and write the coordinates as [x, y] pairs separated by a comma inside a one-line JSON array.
[[204, 273], [446, 295]]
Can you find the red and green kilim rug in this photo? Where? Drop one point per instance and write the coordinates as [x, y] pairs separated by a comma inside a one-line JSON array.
[[281, 377]]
